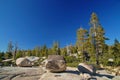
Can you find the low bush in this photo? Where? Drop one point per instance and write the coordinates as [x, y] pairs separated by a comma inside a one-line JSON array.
[[74, 64]]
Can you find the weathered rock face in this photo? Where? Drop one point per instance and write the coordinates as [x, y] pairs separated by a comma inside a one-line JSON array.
[[32, 58], [56, 63], [86, 68], [55, 57], [23, 62]]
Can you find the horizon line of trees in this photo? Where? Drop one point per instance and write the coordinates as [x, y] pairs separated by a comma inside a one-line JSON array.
[[90, 47]]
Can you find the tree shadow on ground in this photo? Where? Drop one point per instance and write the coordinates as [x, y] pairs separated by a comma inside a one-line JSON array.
[[104, 75], [72, 72], [93, 75]]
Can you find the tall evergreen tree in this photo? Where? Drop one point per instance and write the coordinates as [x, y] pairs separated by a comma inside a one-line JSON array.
[[56, 48], [96, 36], [10, 50], [37, 51], [82, 36], [63, 51], [116, 52], [1, 56], [19, 54], [44, 51]]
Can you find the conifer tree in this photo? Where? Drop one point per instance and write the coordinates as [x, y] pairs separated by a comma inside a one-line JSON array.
[[44, 50], [96, 36], [56, 48], [82, 36]]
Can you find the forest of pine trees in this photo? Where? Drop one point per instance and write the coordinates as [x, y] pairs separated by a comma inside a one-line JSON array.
[[90, 47]]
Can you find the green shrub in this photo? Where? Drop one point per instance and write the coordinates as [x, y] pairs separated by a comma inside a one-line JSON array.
[[117, 62], [0, 60], [71, 59], [7, 63], [74, 64], [36, 64]]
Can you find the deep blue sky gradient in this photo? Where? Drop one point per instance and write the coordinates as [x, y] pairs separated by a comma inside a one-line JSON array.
[[33, 23]]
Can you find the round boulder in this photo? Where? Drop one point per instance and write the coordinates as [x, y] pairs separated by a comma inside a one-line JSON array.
[[55, 63]]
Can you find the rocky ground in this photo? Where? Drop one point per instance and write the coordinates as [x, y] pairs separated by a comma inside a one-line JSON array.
[[20, 73], [39, 73]]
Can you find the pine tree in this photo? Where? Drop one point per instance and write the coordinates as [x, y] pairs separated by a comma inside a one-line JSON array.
[[37, 51], [82, 36], [116, 52], [96, 36], [44, 50], [56, 48], [63, 51], [19, 54]]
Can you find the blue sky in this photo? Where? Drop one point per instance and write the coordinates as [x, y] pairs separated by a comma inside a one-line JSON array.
[[33, 23]]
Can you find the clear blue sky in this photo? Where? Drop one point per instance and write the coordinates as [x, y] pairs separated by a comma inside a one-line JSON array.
[[33, 23]]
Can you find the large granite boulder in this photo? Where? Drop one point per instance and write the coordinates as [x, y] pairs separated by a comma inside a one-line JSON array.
[[86, 68], [23, 62], [32, 58], [55, 63]]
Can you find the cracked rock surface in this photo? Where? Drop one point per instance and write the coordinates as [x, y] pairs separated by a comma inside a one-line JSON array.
[[20, 73], [40, 73]]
